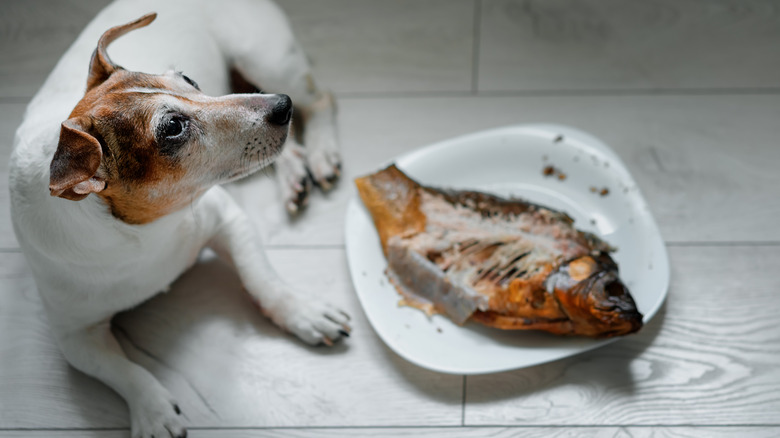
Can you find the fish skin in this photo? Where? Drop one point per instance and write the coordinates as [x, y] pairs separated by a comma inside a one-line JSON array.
[[565, 284]]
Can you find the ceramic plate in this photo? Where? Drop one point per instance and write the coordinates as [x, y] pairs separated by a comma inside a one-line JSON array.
[[509, 162]]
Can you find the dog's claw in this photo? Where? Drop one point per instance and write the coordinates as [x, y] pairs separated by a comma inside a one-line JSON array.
[[313, 321], [293, 178], [326, 183], [156, 415]]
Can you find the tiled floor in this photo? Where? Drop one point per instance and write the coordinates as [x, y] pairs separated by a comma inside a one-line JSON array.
[[686, 92]]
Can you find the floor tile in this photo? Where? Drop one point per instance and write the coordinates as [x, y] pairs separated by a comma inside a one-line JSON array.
[[710, 357], [614, 44], [10, 118], [225, 363], [432, 432], [37, 387], [370, 46], [355, 46], [33, 36], [705, 164]]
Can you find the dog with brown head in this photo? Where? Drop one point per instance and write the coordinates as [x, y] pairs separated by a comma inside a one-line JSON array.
[[150, 144], [144, 155]]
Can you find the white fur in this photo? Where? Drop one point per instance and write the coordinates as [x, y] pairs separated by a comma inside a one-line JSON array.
[[89, 265]]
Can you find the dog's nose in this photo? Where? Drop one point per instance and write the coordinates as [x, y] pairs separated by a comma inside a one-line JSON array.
[[281, 111]]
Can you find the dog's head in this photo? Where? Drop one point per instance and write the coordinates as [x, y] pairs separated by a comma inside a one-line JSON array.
[[150, 144]]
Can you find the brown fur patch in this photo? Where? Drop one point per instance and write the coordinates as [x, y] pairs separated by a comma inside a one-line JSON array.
[[132, 164]]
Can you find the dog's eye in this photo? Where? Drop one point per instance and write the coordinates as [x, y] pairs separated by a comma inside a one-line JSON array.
[[174, 127], [191, 82], [173, 132]]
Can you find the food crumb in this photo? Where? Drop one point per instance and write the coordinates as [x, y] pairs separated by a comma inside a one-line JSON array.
[[558, 139], [438, 329], [593, 189], [593, 221], [551, 170], [604, 192]]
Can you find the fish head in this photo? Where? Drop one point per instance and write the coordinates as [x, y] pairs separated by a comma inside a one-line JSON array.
[[591, 293]]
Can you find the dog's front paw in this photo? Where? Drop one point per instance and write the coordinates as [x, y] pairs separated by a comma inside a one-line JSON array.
[[325, 167], [156, 415], [322, 145], [313, 321], [294, 182], [322, 152]]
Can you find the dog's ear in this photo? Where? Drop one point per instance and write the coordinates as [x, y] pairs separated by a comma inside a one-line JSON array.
[[76, 161], [101, 67]]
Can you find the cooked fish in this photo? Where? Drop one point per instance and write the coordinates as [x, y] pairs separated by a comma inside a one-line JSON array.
[[505, 263]]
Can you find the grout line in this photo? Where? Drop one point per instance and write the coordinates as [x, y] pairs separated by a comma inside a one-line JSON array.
[[724, 243], [18, 99], [463, 404], [573, 92], [475, 48], [560, 93], [481, 426], [715, 244], [425, 426]]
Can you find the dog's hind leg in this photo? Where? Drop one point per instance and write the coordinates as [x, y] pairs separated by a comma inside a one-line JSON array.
[[261, 47], [95, 351]]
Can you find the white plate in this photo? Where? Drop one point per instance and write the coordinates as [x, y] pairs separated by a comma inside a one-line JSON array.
[[509, 161]]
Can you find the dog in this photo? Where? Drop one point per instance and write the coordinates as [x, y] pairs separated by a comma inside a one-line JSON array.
[[115, 191]]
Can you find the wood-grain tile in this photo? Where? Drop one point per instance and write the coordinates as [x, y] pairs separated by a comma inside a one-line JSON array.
[[355, 46], [225, 363], [614, 44], [435, 432], [406, 46], [10, 118], [707, 165], [711, 356], [37, 387], [33, 36]]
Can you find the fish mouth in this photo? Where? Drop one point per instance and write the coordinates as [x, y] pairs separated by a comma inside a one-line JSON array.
[[613, 304]]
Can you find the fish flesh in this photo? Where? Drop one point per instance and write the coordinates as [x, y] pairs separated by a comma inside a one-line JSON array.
[[505, 263]]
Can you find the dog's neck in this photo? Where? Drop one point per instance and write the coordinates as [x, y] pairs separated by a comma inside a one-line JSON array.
[[142, 209]]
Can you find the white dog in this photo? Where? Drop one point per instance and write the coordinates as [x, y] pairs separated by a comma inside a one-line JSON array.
[[114, 192]]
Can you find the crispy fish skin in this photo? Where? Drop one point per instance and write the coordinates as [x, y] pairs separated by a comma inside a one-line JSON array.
[[505, 263]]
